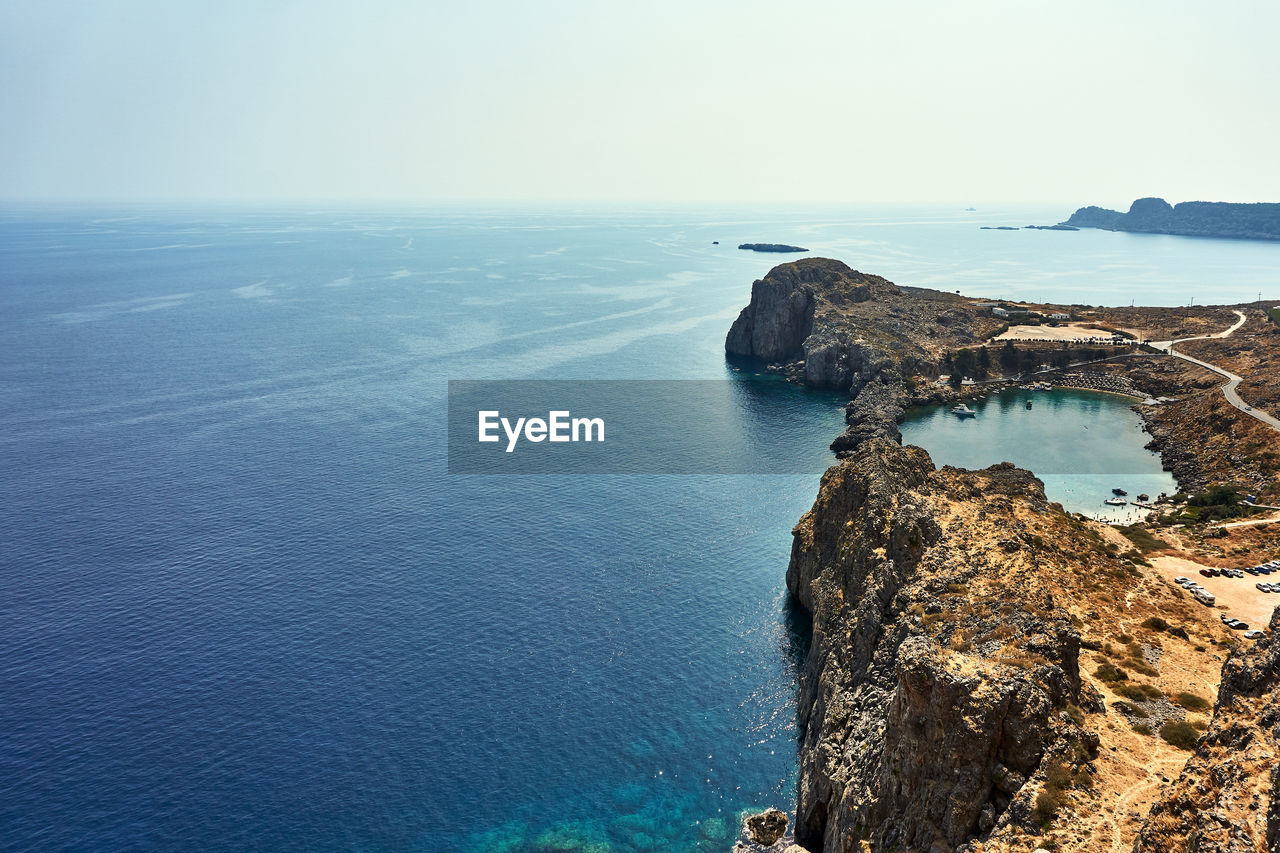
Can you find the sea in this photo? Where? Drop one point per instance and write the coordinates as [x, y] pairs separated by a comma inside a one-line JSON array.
[[246, 605]]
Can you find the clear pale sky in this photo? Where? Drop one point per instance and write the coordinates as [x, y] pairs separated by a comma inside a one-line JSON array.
[[1072, 102]]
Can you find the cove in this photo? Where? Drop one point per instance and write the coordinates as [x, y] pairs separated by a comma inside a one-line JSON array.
[[1081, 444]]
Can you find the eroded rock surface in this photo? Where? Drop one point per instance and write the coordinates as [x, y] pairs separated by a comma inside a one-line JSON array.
[[838, 328], [1225, 800], [940, 670]]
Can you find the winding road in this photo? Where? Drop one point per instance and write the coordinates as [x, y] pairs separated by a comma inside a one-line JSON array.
[[1229, 389]]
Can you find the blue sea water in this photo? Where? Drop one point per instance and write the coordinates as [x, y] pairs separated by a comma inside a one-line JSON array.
[[1081, 444], [243, 606]]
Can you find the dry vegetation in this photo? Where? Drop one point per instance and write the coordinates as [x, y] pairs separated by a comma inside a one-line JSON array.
[[1150, 652]]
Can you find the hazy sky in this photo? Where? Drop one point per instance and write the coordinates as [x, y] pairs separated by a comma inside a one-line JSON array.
[[1072, 102]]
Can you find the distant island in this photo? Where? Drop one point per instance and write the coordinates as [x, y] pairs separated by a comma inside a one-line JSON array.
[[771, 247], [1058, 227], [1189, 218]]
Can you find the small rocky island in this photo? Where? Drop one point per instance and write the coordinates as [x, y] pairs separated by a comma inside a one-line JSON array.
[[1188, 218], [771, 247]]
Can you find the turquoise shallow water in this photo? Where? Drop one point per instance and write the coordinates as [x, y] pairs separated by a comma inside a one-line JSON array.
[[1081, 444], [244, 606]]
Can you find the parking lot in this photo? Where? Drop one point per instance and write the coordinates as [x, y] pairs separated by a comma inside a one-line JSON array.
[[1238, 595]]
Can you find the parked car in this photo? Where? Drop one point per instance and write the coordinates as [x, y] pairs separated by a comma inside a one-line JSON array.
[[1180, 580], [1254, 635], [1237, 625], [1263, 587], [1226, 620]]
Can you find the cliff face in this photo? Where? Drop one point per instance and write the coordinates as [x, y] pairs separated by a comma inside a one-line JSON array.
[[1226, 799], [940, 673], [778, 323], [830, 326], [949, 703], [1190, 218]]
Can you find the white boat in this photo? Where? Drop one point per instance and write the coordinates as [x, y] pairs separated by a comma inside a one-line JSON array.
[[1115, 502], [963, 411]]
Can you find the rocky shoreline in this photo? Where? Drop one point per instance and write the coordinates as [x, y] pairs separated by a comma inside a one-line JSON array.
[[1188, 218], [944, 705], [820, 323]]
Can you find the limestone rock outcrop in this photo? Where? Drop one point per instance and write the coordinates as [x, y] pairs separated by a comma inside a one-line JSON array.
[[1227, 799], [829, 326], [926, 720], [766, 832]]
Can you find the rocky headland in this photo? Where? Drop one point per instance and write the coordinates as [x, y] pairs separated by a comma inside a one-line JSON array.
[[1188, 218], [988, 672], [827, 325]]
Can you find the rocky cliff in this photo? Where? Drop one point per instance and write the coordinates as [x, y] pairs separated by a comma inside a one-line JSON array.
[[830, 326], [1190, 218], [1226, 799], [836, 327], [943, 680], [988, 674]]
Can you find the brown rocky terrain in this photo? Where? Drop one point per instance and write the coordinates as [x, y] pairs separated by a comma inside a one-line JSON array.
[[988, 673], [952, 697], [1203, 439], [837, 327], [1225, 798]]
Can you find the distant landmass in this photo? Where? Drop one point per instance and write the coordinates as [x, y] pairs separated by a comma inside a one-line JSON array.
[[1189, 218], [771, 247], [1058, 227]]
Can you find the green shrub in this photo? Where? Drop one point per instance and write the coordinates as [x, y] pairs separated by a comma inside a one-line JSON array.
[[1138, 692], [1142, 729], [1047, 805], [1155, 623], [1076, 715], [1191, 701], [1110, 673], [1180, 734]]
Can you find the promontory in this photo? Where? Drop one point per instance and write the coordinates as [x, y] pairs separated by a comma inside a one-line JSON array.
[[1188, 218], [986, 671]]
